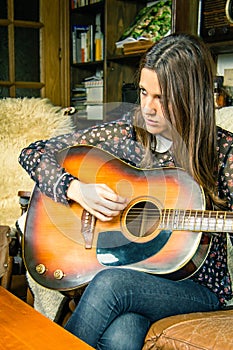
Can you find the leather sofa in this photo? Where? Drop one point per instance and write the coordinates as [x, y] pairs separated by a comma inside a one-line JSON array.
[[201, 330]]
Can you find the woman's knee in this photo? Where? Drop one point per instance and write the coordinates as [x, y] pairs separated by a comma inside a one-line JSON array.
[[109, 279], [104, 290], [126, 332]]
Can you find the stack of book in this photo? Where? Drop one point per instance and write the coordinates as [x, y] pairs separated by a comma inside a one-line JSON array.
[[136, 47], [94, 98], [79, 99], [82, 43]]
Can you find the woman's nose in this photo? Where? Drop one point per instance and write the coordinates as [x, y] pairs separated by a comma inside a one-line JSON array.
[[150, 104]]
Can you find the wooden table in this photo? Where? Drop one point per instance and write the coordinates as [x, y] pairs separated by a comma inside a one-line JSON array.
[[23, 328]]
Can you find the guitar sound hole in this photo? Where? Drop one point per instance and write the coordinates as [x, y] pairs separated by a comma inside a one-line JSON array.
[[143, 218]]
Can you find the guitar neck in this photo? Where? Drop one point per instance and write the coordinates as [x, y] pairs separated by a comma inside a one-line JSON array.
[[197, 220]]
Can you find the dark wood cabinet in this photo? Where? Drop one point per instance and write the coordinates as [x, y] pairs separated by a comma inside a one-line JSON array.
[[185, 16]]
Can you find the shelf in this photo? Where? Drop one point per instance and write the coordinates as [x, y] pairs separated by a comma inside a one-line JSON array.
[[122, 57], [86, 64], [221, 47], [93, 8]]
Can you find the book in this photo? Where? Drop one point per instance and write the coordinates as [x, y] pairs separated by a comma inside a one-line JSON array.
[[74, 45], [90, 44], [129, 40], [83, 47]]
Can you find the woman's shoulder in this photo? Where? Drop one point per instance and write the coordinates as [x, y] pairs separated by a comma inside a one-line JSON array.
[[224, 134]]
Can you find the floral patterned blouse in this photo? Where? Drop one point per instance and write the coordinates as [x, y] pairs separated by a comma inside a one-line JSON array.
[[118, 137]]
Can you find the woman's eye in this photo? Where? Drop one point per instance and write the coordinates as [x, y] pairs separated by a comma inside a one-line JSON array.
[[142, 91]]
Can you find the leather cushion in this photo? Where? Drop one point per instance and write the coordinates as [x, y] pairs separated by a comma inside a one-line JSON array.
[[201, 330]]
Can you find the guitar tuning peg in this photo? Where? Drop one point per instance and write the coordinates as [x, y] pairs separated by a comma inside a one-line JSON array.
[[58, 274], [40, 269]]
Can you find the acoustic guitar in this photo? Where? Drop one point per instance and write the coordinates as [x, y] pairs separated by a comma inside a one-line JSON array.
[[164, 229]]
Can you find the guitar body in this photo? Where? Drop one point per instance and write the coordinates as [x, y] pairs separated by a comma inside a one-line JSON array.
[[57, 253]]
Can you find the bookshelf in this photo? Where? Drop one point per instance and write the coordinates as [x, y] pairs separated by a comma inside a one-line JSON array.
[[111, 65]]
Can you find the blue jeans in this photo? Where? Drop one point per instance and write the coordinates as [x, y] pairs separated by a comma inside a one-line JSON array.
[[119, 305]]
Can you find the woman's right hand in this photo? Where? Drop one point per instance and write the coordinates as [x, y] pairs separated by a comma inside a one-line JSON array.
[[98, 199]]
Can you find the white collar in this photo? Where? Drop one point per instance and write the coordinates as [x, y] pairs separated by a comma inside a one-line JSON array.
[[162, 144]]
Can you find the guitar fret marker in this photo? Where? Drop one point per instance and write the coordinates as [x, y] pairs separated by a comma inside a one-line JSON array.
[[197, 220]]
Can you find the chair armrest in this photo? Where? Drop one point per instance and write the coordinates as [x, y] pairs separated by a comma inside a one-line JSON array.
[[24, 197]]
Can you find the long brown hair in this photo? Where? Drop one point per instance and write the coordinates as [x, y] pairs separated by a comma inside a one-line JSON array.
[[185, 70]]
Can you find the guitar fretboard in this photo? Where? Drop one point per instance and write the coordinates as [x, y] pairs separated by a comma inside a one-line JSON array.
[[197, 220]]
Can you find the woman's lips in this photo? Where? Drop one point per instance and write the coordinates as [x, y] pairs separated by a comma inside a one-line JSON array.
[[151, 122]]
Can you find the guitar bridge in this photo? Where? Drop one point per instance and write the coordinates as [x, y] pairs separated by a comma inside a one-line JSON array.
[[87, 230]]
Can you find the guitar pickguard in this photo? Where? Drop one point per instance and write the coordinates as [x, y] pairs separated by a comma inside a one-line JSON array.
[[114, 249]]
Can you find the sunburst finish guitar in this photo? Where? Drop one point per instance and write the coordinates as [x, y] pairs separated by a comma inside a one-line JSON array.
[[160, 231]]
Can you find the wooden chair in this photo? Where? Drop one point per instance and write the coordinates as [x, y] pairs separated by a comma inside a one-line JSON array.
[[6, 259], [11, 261]]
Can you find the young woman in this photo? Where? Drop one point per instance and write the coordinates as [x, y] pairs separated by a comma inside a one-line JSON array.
[[174, 126]]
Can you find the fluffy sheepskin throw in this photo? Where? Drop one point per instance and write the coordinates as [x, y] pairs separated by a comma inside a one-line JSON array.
[[22, 121]]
